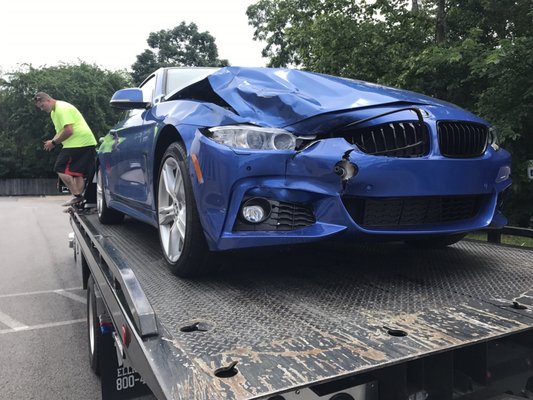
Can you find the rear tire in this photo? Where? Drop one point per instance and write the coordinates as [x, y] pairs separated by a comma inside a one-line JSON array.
[[180, 232], [94, 335], [436, 242], [106, 215]]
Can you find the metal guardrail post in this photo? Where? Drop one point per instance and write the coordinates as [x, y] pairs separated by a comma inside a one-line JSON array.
[[495, 235]]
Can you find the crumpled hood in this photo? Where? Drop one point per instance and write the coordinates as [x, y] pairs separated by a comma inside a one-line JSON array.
[[283, 97]]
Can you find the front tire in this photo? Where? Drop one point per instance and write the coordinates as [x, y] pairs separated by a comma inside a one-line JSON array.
[[106, 215], [180, 232]]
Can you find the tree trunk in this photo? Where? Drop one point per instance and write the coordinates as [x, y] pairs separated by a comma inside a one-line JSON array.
[[440, 34], [415, 7]]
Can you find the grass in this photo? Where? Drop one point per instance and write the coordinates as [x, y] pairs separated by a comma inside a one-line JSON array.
[[506, 239]]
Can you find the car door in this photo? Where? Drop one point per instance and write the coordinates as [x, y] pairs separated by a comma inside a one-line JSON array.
[[134, 139]]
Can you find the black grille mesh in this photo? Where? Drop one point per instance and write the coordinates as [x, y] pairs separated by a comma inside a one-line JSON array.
[[411, 211], [395, 139], [462, 139], [284, 217]]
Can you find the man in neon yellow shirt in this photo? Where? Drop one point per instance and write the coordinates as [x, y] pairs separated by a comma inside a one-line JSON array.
[[76, 159]]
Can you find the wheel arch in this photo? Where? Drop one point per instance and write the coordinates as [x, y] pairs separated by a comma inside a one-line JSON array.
[[168, 135]]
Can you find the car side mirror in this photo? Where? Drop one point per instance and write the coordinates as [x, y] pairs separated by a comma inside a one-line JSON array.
[[128, 99]]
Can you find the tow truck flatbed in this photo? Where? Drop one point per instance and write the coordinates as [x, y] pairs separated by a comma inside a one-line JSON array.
[[308, 321]]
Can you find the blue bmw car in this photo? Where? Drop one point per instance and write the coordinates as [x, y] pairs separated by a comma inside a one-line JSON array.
[[231, 158]]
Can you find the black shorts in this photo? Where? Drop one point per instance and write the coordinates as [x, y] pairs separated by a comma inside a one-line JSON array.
[[76, 161]]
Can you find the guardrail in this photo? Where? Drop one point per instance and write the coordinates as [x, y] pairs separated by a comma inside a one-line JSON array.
[[25, 187], [495, 235]]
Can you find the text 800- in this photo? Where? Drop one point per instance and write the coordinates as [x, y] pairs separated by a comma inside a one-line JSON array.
[[127, 382]]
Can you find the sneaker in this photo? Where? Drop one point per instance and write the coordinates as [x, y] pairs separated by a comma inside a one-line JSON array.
[[75, 200]]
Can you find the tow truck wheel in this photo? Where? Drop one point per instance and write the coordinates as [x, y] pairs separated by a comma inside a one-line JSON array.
[[106, 215], [93, 328], [437, 241], [180, 232]]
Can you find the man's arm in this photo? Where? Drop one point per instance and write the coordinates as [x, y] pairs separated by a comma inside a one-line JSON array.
[[59, 138]]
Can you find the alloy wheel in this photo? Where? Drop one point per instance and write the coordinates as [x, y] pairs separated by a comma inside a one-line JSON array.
[[99, 194], [172, 209]]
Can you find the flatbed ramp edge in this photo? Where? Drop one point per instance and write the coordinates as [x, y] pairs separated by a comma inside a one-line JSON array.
[[273, 324]]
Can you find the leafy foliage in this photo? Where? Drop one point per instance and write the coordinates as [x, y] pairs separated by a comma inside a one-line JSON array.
[[183, 45], [23, 127], [340, 37]]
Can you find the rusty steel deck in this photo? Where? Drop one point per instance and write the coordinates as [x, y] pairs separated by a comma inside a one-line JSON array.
[[289, 318]]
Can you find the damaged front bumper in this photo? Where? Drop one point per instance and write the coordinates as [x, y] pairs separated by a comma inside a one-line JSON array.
[[332, 188]]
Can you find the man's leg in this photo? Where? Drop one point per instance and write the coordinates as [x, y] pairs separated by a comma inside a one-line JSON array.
[[78, 184], [71, 165], [74, 183]]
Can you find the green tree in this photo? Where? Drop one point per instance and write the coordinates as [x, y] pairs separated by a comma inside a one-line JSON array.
[[23, 127], [484, 64], [508, 103], [341, 37], [183, 45]]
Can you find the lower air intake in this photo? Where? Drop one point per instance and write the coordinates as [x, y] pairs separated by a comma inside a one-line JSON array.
[[411, 211]]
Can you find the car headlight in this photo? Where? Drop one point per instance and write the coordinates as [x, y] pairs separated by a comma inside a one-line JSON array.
[[493, 139], [253, 137]]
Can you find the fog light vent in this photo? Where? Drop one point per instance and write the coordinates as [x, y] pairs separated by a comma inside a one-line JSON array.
[[278, 216]]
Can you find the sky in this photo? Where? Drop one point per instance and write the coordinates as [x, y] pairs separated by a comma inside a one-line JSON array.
[[112, 33]]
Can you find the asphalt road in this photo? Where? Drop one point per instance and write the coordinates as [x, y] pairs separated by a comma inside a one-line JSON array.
[[43, 339]]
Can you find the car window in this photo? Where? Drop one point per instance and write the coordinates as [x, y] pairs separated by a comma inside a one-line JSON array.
[[178, 78], [148, 88]]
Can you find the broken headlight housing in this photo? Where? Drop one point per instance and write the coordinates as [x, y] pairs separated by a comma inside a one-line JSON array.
[[493, 139], [253, 137]]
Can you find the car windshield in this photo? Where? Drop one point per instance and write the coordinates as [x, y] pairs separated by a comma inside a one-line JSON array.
[[179, 78]]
